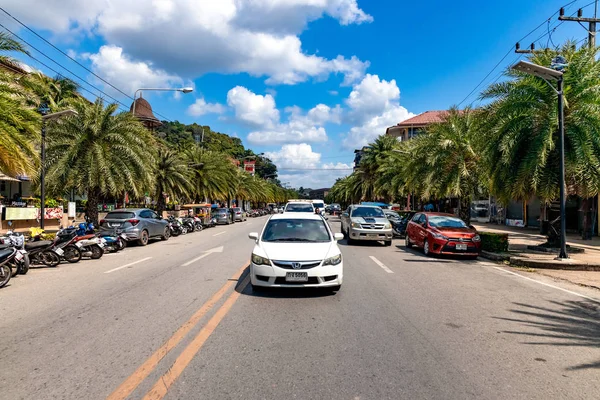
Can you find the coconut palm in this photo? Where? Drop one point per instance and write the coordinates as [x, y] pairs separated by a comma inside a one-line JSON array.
[[99, 153], [172, 177], [213, 174], [19, 124], [523, 143], [55, 93], [367, 175], [447, 161]]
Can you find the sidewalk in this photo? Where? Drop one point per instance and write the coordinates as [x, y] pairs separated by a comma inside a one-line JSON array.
[[572, 270]]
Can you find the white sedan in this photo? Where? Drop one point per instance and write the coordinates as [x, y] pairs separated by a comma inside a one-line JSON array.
[[296, 250]]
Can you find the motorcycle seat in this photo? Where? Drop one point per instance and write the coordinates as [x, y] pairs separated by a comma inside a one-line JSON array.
[[4, 254], [84, 237], [38, 244]]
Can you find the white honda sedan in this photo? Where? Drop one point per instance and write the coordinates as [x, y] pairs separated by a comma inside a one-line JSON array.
[[296, 250]]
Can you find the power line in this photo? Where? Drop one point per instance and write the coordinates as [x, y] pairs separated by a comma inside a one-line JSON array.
[[74, 60]]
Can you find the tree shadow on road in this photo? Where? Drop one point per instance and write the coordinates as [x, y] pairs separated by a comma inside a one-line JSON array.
[[569, 324]]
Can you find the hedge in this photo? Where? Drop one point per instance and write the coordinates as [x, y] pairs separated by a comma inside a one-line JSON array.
[[494, 242]]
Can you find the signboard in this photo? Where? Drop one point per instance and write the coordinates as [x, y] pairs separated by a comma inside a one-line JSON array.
[[249, 166], [71, 210], [21, 213], [50, 213], [515, 222]]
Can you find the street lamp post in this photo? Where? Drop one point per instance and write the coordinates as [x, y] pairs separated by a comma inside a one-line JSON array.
[[549, 74], [183, 90], [47, 117]]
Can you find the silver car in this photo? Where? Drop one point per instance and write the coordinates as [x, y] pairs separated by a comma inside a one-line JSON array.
[[140, 224], [239, 214], [361, 222]]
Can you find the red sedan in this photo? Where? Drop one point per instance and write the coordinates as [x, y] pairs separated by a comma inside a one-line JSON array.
[[439, 233]]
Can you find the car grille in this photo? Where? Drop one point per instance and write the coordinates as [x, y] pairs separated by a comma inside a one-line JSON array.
[[460, 240], [290, 264], [371, 226], [312, 280]]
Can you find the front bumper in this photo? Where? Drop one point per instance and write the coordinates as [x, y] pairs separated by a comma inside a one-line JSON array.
[[371, 234], [131, 233], [272, 276], [440, 246]]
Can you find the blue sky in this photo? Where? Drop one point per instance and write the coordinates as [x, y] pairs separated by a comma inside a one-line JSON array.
[[305, 81]]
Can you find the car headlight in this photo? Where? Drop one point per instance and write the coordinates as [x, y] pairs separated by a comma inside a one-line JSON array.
[[476, 238], [387, 226], [439, 236], [258, 260], [356, 225], [335, 260]]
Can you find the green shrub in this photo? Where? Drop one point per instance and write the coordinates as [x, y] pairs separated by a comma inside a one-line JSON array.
[[494, 242]]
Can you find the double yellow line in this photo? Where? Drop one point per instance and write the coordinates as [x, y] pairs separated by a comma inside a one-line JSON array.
[[162, 385]]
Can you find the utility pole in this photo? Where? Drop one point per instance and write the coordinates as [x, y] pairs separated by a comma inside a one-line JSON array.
[[580, 18], [518, 49]]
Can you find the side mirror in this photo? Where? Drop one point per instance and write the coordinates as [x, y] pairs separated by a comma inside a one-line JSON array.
[[253, 235], [338, 236]]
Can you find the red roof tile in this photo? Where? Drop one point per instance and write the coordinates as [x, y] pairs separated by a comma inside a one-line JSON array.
[[426, 118]]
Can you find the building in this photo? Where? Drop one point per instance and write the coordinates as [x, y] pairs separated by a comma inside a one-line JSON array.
[[143, 111], [414, 126], [318, 194], [358, 155]]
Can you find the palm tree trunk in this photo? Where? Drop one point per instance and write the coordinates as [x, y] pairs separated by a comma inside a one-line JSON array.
[[160, 204], [464, 209], [93, 197]]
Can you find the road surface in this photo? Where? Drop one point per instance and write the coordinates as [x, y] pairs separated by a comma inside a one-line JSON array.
[[178, 320]]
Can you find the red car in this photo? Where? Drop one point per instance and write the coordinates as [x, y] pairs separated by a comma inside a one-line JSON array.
[[439, 233]]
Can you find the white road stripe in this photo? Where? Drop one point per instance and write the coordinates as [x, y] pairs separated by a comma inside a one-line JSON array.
[[546, 284], [195, 259], [128, 265], [220, 233], [382, 265]]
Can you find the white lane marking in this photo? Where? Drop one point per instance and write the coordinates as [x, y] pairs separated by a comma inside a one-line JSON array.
[[206, 253], [546, 284], [382, 265], [128, 265], [220, 233]]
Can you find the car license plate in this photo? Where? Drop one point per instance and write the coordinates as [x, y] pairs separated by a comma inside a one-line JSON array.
[[101, 245], [124, 236], [79, 244], [19, 256], [59, 251], [461, 246], [296, 276], [372, 235]]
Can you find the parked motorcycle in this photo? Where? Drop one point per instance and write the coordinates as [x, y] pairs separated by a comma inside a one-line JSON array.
[[175, 226], [64, 245], [6, 256], [189, 224], [17, 241]]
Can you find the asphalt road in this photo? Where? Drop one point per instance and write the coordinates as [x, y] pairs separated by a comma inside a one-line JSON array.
[[178, 320]]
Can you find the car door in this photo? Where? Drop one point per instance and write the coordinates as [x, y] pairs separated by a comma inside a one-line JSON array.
[[422, 230], [158, 222], [412, 228], [149, 224]]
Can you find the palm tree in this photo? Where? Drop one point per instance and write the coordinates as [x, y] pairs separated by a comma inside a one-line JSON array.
[[367, 172], [99, 153], [213, 174], [19, 124], [447, 161], [523, 149], [53, 92], [171, 176]]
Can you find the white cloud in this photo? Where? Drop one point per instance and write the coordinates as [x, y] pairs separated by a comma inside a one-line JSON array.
[[129, 75], [374, 105], [253, 109], [193, 37], [299, 165], [201, 107]]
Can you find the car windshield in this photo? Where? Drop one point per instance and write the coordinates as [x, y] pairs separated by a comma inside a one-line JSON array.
[[296, 230], [299, 207], [367, 212], [221, 211], [120, 215], [318, 205], [446, 222]]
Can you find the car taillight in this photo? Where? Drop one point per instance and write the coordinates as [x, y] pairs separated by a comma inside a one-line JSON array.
[[133, 222]]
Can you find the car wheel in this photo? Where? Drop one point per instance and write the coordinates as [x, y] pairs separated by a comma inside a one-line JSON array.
[[407, 242], [143, 240], [426, 249], [166, 234]]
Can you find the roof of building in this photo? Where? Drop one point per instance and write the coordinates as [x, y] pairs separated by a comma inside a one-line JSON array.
[[426, 118], [143, 110]]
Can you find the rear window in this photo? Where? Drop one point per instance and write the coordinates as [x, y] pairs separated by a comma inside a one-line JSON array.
[[236, 209], [318, 205], [221, 211], [120, 215], [299, 207]]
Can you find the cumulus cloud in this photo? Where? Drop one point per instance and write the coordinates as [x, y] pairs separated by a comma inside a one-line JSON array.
[[253, 109], [193, 37], [129, 75], [201, 107], [373, 106]]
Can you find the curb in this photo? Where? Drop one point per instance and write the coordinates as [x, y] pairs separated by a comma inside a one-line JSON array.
[[494, 256], [561, 265]]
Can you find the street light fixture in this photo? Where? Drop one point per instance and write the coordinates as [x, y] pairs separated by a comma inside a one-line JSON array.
[[47, 117], [549, 74], [183, 90]]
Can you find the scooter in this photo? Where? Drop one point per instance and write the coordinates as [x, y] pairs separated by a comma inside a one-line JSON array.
[[6, 256], [21, 260], [64, 245]]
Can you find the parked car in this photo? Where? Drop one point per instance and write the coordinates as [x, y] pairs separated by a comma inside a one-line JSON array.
[[361, 222], [296, 250], [334, 208], [300, 206], [439, 233], [223, 216], [239, 214], [140, 224]]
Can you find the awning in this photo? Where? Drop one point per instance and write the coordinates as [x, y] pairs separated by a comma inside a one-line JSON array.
[[205, 205], [8, 178]]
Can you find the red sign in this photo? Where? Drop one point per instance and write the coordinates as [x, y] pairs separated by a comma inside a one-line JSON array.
[[249, 166]]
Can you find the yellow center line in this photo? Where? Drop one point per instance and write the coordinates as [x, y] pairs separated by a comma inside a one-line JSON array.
[[162, 385], [134, 380]]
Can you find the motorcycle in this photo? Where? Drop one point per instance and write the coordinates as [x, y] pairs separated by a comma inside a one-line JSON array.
[[88, 243], [6, 256], [197, 223], [189, 224], [17, 241], [64, 245], [40, 251], [175, 227]]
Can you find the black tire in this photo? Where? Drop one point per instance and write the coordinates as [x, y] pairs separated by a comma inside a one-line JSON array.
[[166, 234], [121, 244], [388, 242], [72, 254], [143, 240], [50, 258], [426, 248], [5, 275], [199, 226], [176, 232], [24, 267], [407, 242], [97, 252]]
